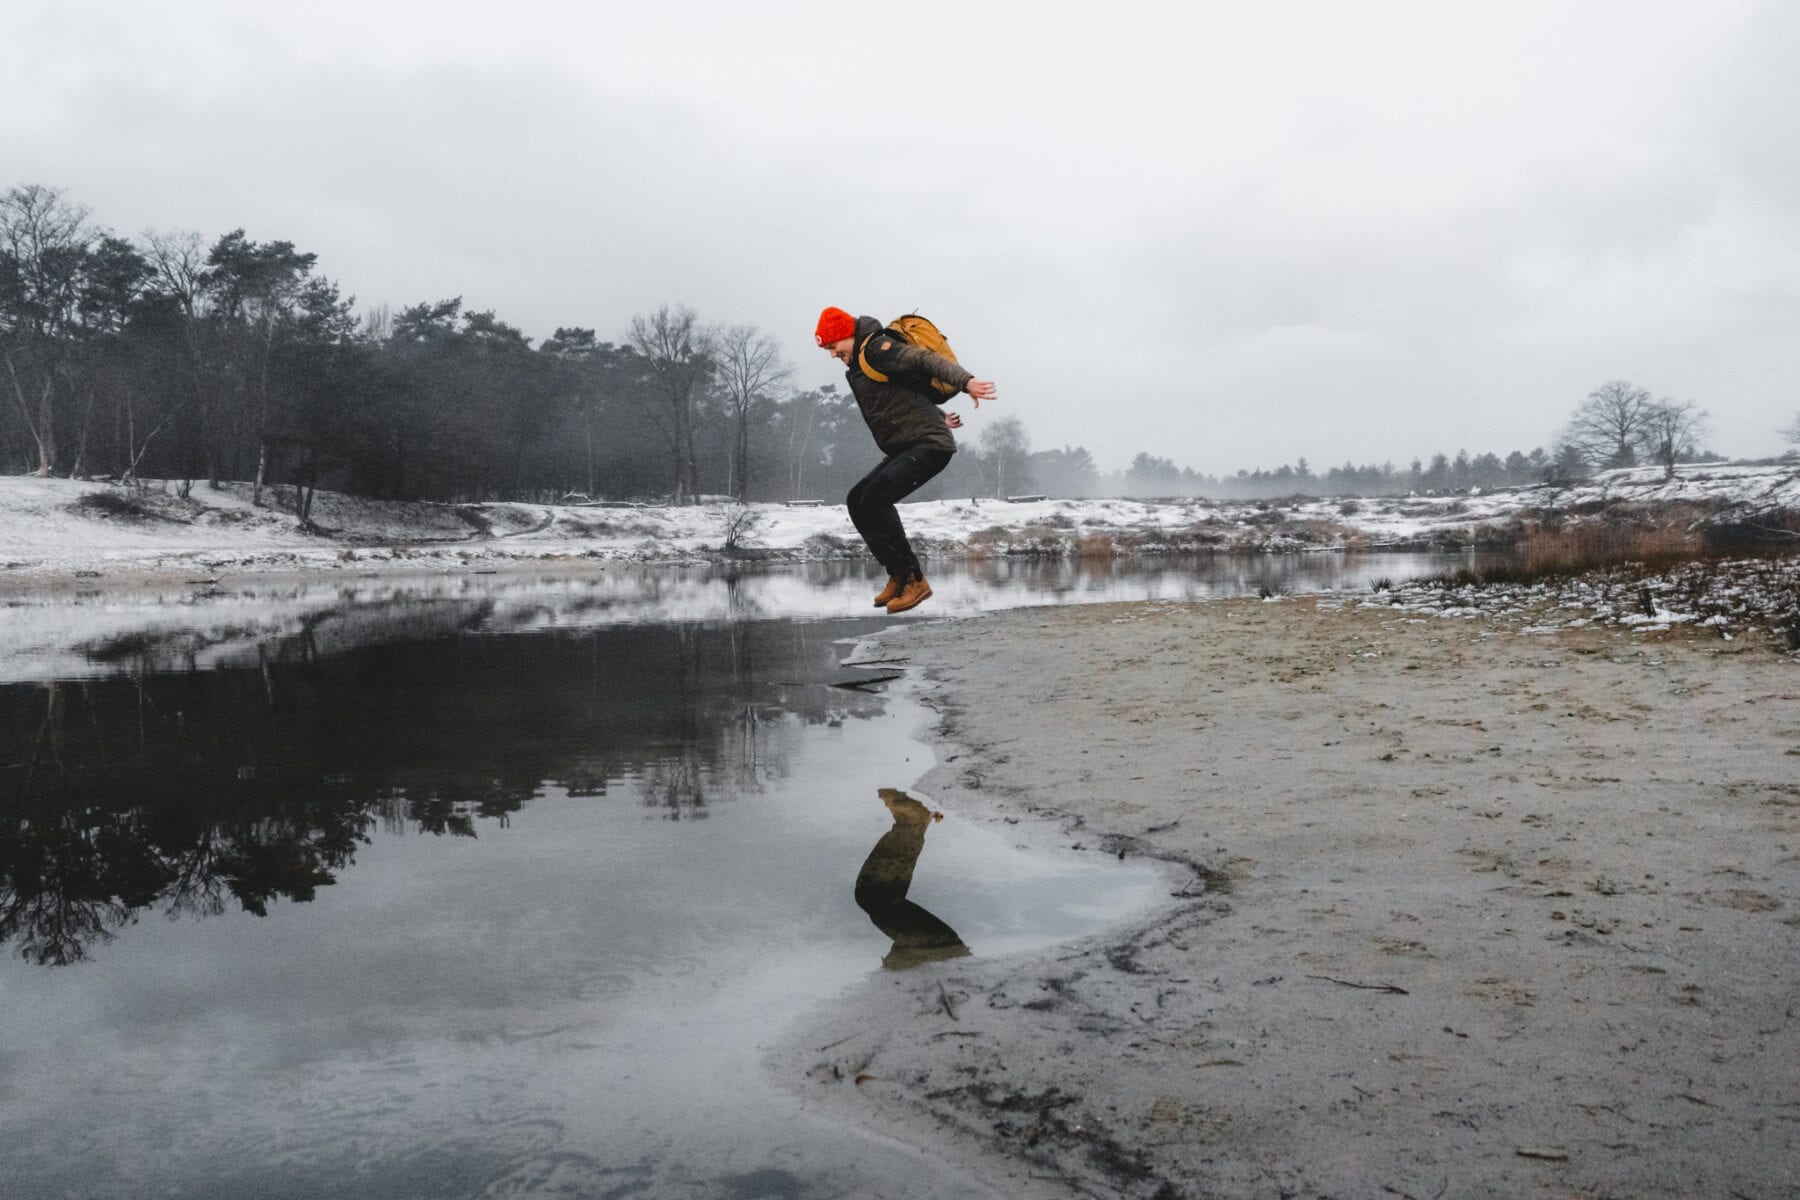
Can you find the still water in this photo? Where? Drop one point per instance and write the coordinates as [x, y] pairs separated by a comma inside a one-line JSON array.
[[485, 886]]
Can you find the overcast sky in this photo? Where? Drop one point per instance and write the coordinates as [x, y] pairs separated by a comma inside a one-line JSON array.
[[1232, 235]]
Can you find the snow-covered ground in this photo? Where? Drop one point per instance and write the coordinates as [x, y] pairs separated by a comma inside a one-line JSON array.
[[59, 527], [1749, 487], [93, 585]]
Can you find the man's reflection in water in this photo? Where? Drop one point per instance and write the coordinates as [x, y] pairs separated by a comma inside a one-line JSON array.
[[881, 887]]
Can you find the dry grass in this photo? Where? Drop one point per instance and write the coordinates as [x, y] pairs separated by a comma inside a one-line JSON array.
[[1552, 548], [1096, 546], [987, 543], [1043, 537], [1325, 533], [1574, 548]]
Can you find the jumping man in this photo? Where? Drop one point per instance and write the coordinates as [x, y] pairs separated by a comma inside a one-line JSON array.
[[910, 430]]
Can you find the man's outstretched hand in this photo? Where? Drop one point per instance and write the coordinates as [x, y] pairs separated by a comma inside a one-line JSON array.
[[952, 420], [979, 390]]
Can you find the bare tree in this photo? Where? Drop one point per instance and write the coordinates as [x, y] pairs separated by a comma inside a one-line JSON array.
[[801, 413], [1672, 431], [1609, 425], [378, 323], [1005, 444], [678, 353], [1791, 431], [177, 261], [44, 246], [807, 421], [750, 367], [177, 257]]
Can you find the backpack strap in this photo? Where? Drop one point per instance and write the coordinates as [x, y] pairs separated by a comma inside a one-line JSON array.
[[862, 355]]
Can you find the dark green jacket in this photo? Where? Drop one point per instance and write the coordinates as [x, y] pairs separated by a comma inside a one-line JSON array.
[[903, 412]]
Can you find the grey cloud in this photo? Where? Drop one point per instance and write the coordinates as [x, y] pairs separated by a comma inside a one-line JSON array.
[[1241, 246]]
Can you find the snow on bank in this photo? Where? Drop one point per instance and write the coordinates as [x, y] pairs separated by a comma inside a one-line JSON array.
[[1754, 488], [65, 527]]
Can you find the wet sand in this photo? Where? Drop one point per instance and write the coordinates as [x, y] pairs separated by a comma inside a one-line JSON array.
[[1456, 910]]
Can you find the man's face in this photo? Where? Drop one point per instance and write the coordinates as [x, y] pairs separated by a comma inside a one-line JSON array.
[[841, 348]]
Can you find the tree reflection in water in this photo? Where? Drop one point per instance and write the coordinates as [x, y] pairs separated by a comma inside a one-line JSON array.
[[886, 877], [201, 791]]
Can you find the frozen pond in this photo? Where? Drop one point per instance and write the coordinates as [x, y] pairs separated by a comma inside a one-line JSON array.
[[483, 886]]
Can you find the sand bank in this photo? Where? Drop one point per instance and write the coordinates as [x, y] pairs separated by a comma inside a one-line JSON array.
[[1456, 910]]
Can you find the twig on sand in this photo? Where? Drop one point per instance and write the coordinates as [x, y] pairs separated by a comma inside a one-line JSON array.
[[864, 684], [1543, 1153], [1368, 987], [944, 999]]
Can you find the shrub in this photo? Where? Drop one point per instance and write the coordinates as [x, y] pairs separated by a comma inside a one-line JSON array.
[[1321, 532], [1207, 535], [1751, 533], [112, 504], [739, 525], [575, 527], [828, 544], [1789, 629]]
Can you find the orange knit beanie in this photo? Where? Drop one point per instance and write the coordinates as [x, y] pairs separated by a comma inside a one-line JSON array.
[[834, 326]]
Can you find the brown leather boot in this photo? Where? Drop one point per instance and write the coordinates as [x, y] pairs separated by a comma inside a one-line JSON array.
[[888, 593], [911, 596]]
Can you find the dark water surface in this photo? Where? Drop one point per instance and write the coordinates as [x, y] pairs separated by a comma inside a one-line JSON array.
[[482, 886]]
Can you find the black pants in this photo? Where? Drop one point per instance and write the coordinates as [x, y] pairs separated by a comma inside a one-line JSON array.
[[872, 503]]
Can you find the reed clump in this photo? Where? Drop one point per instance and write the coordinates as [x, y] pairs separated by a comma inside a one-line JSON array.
[[1578, 547], [1096, 546], [1560, 549]]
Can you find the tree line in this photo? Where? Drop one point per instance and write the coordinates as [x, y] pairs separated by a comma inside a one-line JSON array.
[[1152, 475], [1618, 424], [172, 357]]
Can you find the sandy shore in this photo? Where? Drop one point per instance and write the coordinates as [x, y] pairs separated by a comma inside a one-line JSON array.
[[1457, 910]]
